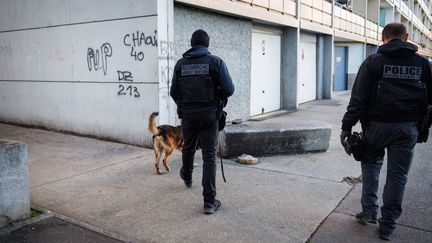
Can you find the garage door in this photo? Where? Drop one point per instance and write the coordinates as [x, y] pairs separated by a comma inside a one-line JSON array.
[[306, 83], [265, 73]]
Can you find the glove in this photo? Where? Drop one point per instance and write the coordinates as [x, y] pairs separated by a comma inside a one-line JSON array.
[[423, 136], [345, 135]]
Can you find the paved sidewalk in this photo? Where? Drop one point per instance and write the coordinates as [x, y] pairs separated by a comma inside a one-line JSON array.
[[114, 188], [53, 229], [415, 224]]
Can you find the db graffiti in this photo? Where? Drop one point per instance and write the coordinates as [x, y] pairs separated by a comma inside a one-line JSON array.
[[128, 90], [123, 89], [99, 59]]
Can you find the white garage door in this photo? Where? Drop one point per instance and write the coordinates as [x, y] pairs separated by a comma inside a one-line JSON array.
[[265, 73], [306, 84]]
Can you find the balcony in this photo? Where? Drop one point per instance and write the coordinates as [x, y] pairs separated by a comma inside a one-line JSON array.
[[348, 21], [315, 15], [316, 11], [278, 6]]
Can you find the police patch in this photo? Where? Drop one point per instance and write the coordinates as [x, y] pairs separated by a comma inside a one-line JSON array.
[[402, 72], [194, 69]]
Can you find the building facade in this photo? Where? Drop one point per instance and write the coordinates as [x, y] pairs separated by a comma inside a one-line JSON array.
[[101, 67]]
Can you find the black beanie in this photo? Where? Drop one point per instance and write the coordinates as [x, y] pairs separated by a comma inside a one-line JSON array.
[[200, 38]]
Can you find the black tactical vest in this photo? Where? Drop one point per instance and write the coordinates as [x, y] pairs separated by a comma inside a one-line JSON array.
[[195, 80], [401, 89]]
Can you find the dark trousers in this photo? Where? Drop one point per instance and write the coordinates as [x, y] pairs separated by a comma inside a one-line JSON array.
[[202, 127], [399, 139]]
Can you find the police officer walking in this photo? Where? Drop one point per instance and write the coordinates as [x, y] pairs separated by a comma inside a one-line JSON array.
[[389, 97], [200, 84]]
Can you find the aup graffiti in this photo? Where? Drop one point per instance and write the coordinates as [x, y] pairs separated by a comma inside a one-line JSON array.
[[99, 60]]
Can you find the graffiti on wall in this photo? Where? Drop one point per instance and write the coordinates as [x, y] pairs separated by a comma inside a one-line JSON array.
[[135, 42], [5, 50], [166, 52], [137, 39], [127, 88], [99, 59]]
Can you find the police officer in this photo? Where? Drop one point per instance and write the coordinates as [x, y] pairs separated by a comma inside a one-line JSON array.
[[389, 96], [200, 84]]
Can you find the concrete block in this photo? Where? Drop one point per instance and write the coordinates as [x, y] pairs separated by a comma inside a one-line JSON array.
[[267, 139], [14, 180]]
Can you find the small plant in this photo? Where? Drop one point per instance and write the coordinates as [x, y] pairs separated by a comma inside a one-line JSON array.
[[35, 213]]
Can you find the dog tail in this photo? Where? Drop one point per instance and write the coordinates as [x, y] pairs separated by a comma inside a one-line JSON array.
[[152, 123]]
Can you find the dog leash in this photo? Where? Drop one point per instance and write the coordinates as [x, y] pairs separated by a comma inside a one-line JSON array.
[[220, 156]]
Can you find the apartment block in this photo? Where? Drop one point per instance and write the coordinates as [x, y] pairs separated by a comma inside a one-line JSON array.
[[101, 67]]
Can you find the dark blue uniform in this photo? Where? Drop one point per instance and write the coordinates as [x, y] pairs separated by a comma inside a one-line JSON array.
[[200, 83], [389, 96]]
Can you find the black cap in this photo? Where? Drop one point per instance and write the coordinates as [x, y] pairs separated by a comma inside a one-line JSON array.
[[200, 38]]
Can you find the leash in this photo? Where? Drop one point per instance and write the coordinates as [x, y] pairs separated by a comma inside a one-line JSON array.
[[220, 156]]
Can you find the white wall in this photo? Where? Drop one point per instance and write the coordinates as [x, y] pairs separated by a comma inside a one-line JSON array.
[[62, 65], [355, 57], [23, 14]]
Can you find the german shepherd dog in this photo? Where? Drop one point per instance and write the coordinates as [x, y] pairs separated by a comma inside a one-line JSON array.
[[166, 138]]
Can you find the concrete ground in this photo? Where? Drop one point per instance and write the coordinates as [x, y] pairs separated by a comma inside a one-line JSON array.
[[53, 229], [113, 188]]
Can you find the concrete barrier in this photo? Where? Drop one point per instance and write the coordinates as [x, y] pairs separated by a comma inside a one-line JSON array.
[[268, 139], [14, 181]]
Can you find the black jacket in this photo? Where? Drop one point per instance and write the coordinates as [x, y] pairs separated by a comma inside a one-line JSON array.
[[395, 62], [219, 75]]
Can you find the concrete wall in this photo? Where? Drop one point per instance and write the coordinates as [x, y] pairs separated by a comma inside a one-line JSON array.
[[230, 39], [34, 14], [14, 181], [80, 66]]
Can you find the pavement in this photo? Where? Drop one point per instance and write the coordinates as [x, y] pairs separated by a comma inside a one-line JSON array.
[[111, 190], [54, 229]]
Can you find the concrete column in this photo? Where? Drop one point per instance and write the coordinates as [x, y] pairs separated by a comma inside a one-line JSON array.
[[14, 181], [165, 26], [289, 67], [320, 67], [397, 16], [324, 66], [410, 29], [328, 66]]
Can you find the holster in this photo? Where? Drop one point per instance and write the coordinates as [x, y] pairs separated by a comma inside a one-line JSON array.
[[424, 124], [357, 146]]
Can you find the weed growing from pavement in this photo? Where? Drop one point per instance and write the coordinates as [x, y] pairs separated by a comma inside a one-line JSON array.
[[35, 213]]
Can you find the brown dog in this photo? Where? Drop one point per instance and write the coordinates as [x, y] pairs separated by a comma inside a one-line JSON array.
[[166, 138]]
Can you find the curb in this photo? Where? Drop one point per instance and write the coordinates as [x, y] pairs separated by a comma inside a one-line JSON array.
[[13, 227], [94, 228], [48, 214]]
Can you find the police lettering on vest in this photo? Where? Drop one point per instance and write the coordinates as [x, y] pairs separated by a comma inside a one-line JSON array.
[[402, 72], [401, 90], [195, 83], [194, 69]]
